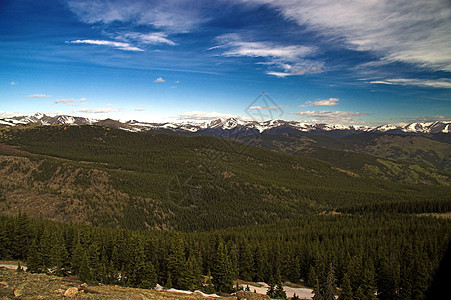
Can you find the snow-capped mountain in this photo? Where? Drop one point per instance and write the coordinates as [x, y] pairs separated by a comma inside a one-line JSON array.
[[43, 119], [232, 126]]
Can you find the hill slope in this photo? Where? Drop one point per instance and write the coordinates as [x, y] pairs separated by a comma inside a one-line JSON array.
[[140, 180]]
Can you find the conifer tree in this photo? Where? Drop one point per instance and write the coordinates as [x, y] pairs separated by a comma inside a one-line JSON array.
[[85, 273], [22, 236], [346, 289], [34, 262], [279, 292], [209, 287], [330, 288], [222, 270]]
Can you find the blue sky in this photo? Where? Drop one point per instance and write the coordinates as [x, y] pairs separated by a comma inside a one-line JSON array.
[[362, 62]]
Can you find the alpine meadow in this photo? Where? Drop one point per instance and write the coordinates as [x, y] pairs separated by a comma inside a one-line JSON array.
[[227, 149]]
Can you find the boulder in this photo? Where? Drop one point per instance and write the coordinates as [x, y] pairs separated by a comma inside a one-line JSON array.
[[242, 295], [71, 292]]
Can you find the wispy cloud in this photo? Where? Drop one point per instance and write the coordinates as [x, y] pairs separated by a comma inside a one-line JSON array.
[[204, 116], [69, 101], [65, 101], [175, 16], [265, 107], [324, 102], [117, 45], [429, 119], [437, 83], [329, 114], [139, 109], [287, 59], [159, 80], [8, 114], [39, 96], [13, 83], [332, 117], [152, 38], [237, 47], [98, 110], [415, 32]]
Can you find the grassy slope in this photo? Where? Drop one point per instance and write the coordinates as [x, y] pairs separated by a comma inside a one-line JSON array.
[[167, 181], [41, 286]]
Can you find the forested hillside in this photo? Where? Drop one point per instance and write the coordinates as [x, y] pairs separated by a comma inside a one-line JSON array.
[[137, 209], [415, 152], [393, 255], [139, 180]]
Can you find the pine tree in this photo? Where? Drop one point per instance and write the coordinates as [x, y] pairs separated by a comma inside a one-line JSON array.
[[22, 236], [58, 255], [190, 277], [222, 270], [346, 289], [176, 259], [85, 273], [312, 278], [209, 287], [330, 288], [279, 292], [34, 262]]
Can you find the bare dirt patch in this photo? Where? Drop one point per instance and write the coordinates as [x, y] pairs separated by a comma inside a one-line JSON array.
[[11, 149]]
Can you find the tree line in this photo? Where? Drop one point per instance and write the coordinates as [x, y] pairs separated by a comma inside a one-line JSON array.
[[356, 257]]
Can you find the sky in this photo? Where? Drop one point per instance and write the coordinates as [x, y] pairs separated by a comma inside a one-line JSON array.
[[367, 62]]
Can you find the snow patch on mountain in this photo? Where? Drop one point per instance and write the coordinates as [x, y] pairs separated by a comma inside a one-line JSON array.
[[234, 125]]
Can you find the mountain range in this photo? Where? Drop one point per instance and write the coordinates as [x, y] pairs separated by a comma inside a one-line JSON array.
[[233, 126]]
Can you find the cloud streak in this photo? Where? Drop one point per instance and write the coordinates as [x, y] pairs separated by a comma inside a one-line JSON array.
[[438, 83], [152, 38], [414, 32], [117, 45], [204, 116], [329, 114], [174, 16], [324, 102], [287, 59], [265, 107], [39, 96], [98, 110]]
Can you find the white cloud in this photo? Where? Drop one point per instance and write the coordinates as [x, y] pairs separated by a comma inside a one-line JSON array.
[[437, 83], [329, 114], [118, 45], [159, 80], [69, 101], [8, 114], [332, 117], [323, 102], [265, 107], [237, 47], [204, 116], [139, 109], [39, 96], [291, 59], [99, 110], [178, 15], [429, 119], [408, 31], [13, 83], [66, 101], [153, 38]]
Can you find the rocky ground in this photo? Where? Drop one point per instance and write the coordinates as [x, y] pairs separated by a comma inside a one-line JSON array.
[[23, 285]]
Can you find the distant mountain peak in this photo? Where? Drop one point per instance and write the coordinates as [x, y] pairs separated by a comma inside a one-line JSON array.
[[233, 125]]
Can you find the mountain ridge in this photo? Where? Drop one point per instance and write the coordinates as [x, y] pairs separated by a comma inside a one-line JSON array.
[[232, 126]]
